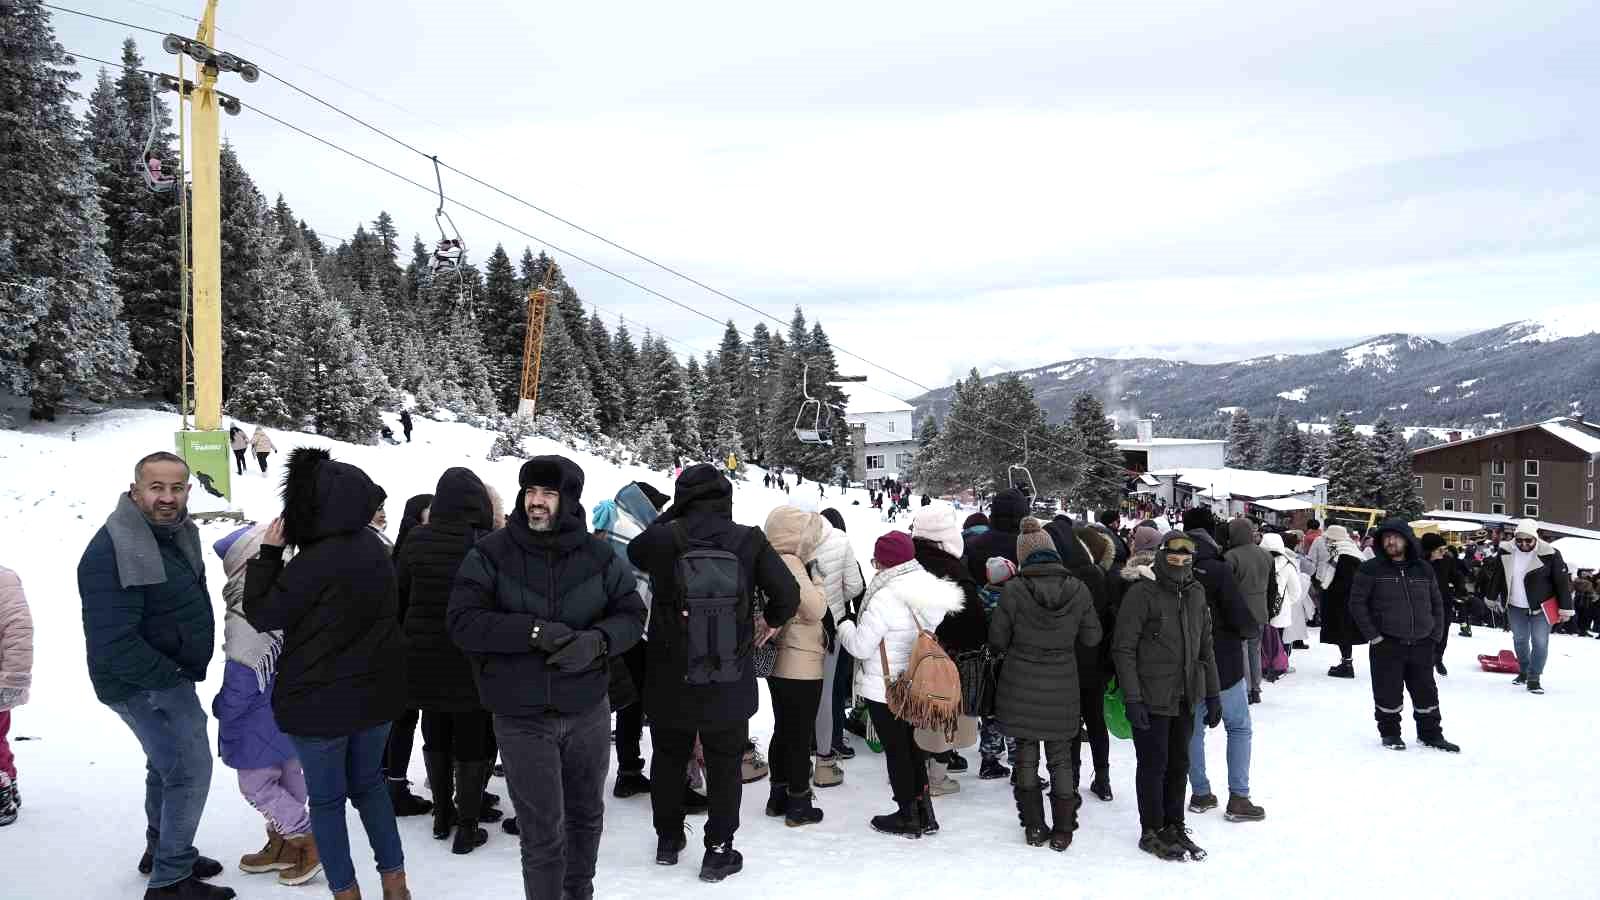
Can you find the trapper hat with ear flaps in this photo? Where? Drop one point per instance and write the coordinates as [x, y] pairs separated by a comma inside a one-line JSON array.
[[555, 473]]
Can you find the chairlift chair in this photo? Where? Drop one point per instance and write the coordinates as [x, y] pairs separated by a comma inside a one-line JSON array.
[[1020, 478], [148, 164], [814, 423], [451, 250]]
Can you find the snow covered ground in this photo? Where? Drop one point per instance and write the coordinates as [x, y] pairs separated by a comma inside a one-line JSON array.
[[1343, 816]]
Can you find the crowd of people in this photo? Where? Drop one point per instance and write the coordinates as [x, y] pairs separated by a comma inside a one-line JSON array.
[[516, 636]]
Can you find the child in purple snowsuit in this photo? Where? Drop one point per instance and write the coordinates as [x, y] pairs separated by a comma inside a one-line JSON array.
[[248, 739]]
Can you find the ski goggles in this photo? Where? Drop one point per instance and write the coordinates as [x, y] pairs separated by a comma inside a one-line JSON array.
[[1178, 545]]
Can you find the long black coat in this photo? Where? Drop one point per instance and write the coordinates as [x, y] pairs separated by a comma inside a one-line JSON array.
[[968, 629], [343, 665], [1231, 621], [1338, 624], [440, 678], [1043, 616]]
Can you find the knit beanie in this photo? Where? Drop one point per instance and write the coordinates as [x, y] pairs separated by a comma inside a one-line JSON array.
[[1527, 527], [1431, 542], [1145, 538], [937, 524], [975, 520], [893, 549], [999, 570], [1033, 539], [1198, 518]]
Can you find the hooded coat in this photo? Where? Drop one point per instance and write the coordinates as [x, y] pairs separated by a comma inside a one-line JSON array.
[[1397, 599], [1005, 523], [900, 602], [517, 577], [342, 669], [1163, 645], [1042, 619], [967, 629], [1231, 621], [1251, 567], [795, 535], [1338, 624], [440, 678], [703, 502]]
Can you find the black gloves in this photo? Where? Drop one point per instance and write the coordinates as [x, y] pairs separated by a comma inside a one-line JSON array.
[[1139, 716], [1213, 712], [549, 637], [581, 652]]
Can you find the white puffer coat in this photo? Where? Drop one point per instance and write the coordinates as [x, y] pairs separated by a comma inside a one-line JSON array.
[[899, 601], [836, 560]]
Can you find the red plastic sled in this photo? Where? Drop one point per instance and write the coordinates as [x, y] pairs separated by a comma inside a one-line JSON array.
[[1505, 663]]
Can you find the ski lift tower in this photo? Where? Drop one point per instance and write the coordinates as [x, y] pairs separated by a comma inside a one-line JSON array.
[[539, 300]]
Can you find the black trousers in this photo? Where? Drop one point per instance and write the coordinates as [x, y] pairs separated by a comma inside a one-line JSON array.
[[1092, 682], [397, 754], [1163, 770], [907, 762], [238, 459], [724, 752], [262, 459], [1060, 758], [466, 736], [843, 678], [556, 765], [630, 718], [794, 724], [1397, 668]]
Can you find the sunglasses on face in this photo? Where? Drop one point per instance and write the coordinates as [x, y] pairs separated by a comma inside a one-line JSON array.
[[1526, 541]]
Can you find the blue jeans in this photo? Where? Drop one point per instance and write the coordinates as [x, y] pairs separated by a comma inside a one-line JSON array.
[[1236, 720], [171, 727], [1529, 630], [349, 767]]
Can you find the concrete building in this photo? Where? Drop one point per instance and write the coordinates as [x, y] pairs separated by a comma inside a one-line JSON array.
[[1544, 471], [881, 434], [1153, 454], [1268, 496]]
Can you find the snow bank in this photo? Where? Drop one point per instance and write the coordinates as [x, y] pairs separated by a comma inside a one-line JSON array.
[[1298, 395]]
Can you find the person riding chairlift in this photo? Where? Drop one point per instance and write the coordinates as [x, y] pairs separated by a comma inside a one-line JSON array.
[[152, 164], [448, 254]]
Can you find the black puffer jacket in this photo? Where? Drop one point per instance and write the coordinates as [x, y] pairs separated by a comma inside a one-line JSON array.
[[1163, 643], [1042, 619], [343, 665], [1231, 621], [1005, 523], [516, 577], [967, 630], [1078, 561], [440, 677], [703, 501], [1397, 600]]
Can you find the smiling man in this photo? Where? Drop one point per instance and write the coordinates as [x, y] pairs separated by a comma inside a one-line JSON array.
[[150, 631]]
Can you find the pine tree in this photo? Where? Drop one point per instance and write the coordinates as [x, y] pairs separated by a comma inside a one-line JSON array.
[[626, 365], [1284, 450], [1244, 442], [694, 390], [669, 401], [331, 384], [755, 394], [610, 408], [503, 314], [1398, 491], [563, 383], [60, 325], [1104, 470], [1314, 455], [656, 449], [255, 281], [1353, 478]]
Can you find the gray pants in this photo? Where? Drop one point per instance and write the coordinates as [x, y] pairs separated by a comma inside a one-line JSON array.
[[1252, 651], [556, 766], [830, 668]]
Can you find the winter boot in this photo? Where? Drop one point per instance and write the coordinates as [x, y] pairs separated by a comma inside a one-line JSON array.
[[940, 783], [990, 769], [903, 822], [1253, 697], [630, 784], [1533, 685], [1152, 842], [191, 889], [270, 858], [204, 867], [1439, 667], [1438, 742], [1393, 742], [828, 772], [1522, 678], [1178, 836], [954, 761], [754, 768], [470, 779], [1240, 809], [1466, 631], [8, 804], [843, 750], [1030, 808], [1345, 669], [668, 848], [800, 811], [394, 883], [510, 826], [353, 892], [925, 816], [720, 861], [1065, 815], [301, 851], [405, 802], [442, 783], [1101, 785], [778, 800], [1202, 803]]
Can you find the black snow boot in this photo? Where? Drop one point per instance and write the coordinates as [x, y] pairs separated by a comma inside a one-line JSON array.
[[903, 822], [470, 779], [1439, 667], [1153, 843], [1101, 785], [510, 826], [1438, 742], [1345, 669], [721, 861], [1202, 803], [630, 784], [1030, 808], [204, 867], [1520, 679], [1393, 742], [953, 761], [800, 811], [1178, 836], [1534, 687], [190, 889], [991, 769], [405, 802], [925, 816], [1065, 815], [778, 800], [668, 848], [442, 784]]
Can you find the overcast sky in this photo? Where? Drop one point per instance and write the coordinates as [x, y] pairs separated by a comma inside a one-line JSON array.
[[947, 185]]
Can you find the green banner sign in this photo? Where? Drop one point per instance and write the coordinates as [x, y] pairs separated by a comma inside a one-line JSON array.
[[210, 465]]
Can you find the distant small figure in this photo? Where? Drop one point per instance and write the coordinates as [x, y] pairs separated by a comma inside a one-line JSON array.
[[405, 423]]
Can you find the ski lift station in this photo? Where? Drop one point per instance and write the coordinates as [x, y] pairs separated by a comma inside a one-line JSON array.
[[882, 434], [1151, 454]]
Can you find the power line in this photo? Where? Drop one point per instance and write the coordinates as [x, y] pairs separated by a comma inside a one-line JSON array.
[[107, 20]]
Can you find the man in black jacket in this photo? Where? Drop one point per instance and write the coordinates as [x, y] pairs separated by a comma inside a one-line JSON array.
[[540, 606], [1399, 611], [719, 713]]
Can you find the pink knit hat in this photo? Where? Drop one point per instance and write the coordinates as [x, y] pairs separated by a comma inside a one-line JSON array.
[[893, 549]]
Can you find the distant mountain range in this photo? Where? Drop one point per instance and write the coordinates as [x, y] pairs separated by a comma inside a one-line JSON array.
[[1519, 372]]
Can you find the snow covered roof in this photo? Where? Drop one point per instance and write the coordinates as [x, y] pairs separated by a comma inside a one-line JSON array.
[[1579, 553], [861, 400], [1585, 437], [1135, 444], [1284, 504], [1249, 483], [1488, 519], [1577, 437]]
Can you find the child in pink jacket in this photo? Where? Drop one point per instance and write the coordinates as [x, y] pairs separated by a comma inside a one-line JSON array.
[[16, 674]]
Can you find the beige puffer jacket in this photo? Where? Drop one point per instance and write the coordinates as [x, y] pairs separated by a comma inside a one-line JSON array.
[[796, 535], [16, 642]]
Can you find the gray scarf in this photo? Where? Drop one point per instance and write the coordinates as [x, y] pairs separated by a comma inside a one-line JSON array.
[[133, 537]]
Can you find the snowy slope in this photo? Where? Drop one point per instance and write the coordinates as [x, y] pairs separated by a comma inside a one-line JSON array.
[[1344, 817]]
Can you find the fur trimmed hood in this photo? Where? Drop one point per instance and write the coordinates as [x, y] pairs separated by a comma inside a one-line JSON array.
[[1140, 565], [322, 497]]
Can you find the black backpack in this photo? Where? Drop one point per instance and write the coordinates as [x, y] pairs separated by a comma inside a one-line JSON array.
[[714, 609]]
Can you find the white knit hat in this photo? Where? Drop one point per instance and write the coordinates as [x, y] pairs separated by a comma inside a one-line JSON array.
[[937, 523], [1528, 527]]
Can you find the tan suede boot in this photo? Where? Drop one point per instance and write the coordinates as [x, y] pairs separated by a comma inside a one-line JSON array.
[[301, 849], [268, 859], [394, 886]]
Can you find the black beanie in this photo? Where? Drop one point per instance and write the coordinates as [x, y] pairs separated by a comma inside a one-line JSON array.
[[1198, 518]]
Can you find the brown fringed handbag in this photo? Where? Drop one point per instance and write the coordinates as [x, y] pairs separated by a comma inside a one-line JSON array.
[[928, 693]]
